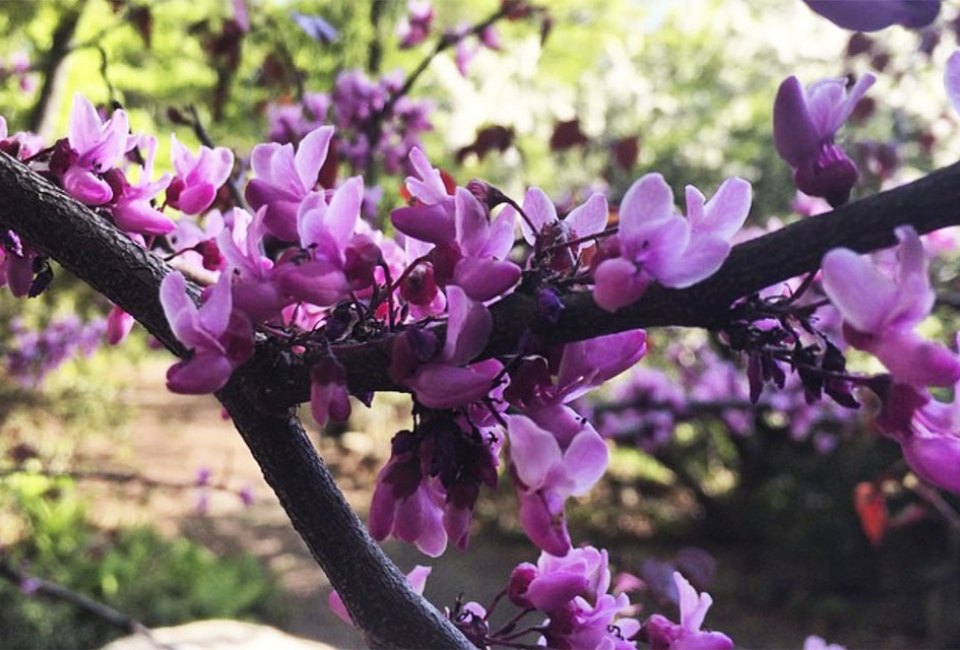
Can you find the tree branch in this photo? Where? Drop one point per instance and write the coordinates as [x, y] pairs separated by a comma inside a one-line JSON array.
[[928, 204], [375, 592], [90, 247]]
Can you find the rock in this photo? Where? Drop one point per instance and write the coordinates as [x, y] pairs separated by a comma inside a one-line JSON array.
[[217, 635]]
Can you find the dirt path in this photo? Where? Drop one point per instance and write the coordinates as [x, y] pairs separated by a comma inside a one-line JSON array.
[[173, 436]]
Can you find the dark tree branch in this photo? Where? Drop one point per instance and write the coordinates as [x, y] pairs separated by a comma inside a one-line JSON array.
[[373, 589], [930, 203], [91, 248]]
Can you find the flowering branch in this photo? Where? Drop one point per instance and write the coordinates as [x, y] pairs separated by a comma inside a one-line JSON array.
[[260, 393], [87, 245]]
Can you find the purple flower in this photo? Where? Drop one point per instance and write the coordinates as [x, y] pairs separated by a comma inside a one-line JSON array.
[[664, 634], [448, 382], [119, 324], [219, 338], [198, 178], [132, 205], [871, 15], [98, 147], [285, 178], [328, 392], [255, 289], [656, 243], [805, 122], [880, 312], [951, 80], [555, 581], [325, 231], [547, 474], [414, 28]]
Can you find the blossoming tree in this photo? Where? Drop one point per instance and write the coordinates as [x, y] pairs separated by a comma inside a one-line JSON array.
[[494, 313]]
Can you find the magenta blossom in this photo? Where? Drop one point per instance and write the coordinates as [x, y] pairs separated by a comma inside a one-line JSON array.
[[415, 27], [325, 232], [119, 324], [198, 178], [97, 147], [547, 475], [255, 287], [880, 312], [426, 492], [657, 243], [417, 579], [664, 634], [469, 250], [555, 581], [219, 338], [805, 123], [928, 431], [449, 381], [582, 222], [284, 179], [132, 205]]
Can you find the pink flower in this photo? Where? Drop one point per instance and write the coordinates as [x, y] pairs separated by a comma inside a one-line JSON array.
[[880, 312], [119, 324], [414, 28], [805, 122], [664, 634], [555, 581], [655, 242], [547, 475], [417, 579], [582, 624], [285, 178], [255, 288], [98, 146], [328, 392], [448, 381], [132, 205], [325, 231], [219, 338], [198, 178]]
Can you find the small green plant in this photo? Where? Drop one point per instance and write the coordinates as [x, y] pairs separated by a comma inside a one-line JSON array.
[[156, 581]]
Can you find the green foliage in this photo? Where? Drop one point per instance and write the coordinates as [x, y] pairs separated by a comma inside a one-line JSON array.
[[152, 579]]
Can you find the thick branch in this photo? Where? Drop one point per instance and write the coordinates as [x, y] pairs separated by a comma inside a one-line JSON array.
[[375, 592], [928, 204]]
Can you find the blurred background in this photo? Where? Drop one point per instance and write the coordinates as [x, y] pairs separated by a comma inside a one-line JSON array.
[[798, 519]]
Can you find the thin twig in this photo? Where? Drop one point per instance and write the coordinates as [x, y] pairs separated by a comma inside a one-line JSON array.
[[100, 610]]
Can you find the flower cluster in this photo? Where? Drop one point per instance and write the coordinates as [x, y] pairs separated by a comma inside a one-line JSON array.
[[35, 353], [370, 125], [880, 311]]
